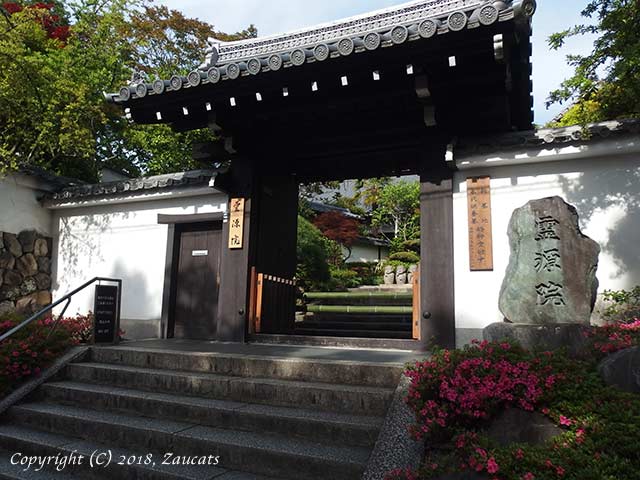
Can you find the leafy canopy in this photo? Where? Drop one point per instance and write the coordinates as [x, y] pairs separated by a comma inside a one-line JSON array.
[[53, 72], [606, 83]]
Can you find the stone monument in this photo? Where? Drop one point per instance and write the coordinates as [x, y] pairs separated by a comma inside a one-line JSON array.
[[550, 286]]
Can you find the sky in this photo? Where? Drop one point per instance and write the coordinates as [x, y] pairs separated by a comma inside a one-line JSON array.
[[278, 16]]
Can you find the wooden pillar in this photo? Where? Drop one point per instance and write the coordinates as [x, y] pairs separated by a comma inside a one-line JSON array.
[[437, 263], [233, 300]]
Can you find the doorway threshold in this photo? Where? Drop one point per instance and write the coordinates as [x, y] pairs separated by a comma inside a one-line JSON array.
[[339, 342]]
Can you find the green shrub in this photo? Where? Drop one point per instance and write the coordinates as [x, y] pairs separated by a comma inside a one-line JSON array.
[[365, 270], [342, 279], [312, 271], [405, 257], [411, 246], [621, 305]]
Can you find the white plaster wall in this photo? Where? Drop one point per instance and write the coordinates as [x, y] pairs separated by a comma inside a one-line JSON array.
[[19, 207], [121, 241], [364, 253], [606, 193]]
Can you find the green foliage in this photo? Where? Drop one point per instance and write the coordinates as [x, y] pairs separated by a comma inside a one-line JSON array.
[[313, 257], [367, 271], [399, 205], [343, 279], [621, 305], [605, 83], [405, 257], [52, 110]]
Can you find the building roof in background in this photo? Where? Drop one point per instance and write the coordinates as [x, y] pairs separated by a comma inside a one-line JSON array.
[[56, 182], [170, 181], [320, 207]]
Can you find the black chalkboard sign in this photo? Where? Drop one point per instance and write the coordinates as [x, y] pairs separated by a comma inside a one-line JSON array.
[[106, 314]]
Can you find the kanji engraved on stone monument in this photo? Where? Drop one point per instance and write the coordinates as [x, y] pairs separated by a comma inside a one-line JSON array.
[[236, 223], [480, 229]]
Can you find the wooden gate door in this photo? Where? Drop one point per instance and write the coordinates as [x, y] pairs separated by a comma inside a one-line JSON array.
[[197, 281]]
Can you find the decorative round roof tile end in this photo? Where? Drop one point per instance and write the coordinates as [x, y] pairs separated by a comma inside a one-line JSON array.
[[298, 57], [176, 82], [158, 86], [457, 21], [275, 62], [372, 41], [233, 71], [488, 15], [141, 90], [194, 78], [346, 46], [254, 66], [213, 74], [125, 94], [321, 52], [399, 34], [428, 28]]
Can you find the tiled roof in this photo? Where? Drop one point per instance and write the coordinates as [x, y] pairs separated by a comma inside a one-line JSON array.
[[158, 182], [417, 20]]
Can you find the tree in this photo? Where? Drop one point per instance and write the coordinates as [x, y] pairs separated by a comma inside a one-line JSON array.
[[312, 253], [53, 73], [339, 228], [399, 205], [606, 83]]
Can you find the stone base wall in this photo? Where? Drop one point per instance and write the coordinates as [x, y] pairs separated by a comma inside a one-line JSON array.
[[25, 271]]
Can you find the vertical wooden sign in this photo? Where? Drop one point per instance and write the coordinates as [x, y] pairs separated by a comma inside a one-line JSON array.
[[236, 223], [480, 230]]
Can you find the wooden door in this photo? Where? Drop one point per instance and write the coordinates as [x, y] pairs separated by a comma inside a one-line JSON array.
[[197, 281]]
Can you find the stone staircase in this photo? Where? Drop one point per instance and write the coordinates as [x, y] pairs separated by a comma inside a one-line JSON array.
[[264, 417]]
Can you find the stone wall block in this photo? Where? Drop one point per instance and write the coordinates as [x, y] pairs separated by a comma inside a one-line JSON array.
[[12, 278], [27, 265], [12, 244], [43, 298], [40, 248], [6, 307], [9, 293], [28, 304], [43, 281], [28, 286], [44, 265], [7, 260], [27, 239]]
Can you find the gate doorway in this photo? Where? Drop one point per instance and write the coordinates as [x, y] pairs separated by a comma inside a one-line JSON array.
[[196, 281]]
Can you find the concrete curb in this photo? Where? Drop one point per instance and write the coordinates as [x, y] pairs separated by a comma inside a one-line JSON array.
[[17, 395], [395, 448]]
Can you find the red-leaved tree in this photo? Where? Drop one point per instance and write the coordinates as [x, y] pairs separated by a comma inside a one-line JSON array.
[[339, 228]]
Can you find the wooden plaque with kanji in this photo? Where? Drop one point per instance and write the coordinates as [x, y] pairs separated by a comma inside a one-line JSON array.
[[480, 233]]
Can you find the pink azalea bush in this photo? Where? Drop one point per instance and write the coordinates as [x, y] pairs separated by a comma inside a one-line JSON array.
[[26, 353], [456, 394]]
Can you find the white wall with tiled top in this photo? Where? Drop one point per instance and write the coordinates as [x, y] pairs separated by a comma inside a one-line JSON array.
[[606, 193]]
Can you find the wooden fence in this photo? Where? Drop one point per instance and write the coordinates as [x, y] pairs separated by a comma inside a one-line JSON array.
[[272, 304]]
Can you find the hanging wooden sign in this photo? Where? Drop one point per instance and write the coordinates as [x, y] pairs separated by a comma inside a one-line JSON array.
[[236, 223], [480, 230]]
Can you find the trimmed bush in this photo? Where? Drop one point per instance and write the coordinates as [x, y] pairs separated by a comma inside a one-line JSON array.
[[405, 257], [342, 279]]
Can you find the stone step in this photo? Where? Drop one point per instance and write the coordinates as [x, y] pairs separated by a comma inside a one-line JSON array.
[[313, 370], [247, 451], [327, 332], [361, 324], [325, 427], [31, 442], [371, 401]]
